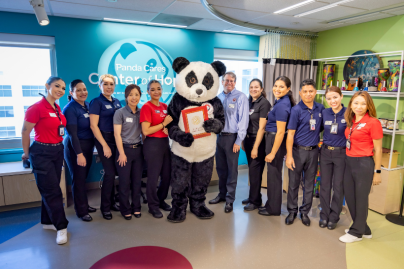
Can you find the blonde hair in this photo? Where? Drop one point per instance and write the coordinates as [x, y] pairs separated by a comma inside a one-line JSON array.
[[102, 77]]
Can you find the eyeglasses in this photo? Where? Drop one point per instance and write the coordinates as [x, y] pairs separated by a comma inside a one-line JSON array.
[[228, 81]]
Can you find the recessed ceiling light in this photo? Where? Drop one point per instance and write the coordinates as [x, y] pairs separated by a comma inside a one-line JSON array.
[[323, 8], [238, 32], [358, 17], [294, 6], [169, 25], [125, 21]]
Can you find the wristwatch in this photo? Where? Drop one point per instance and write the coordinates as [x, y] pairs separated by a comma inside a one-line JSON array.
[[378, 171]]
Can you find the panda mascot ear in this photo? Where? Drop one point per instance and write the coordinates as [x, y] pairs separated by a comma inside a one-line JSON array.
[[219, 67], [179, 64]]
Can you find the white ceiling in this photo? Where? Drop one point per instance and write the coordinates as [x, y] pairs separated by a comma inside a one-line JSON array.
[[252, 11]]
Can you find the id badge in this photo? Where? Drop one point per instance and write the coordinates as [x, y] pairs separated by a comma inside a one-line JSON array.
[[334, 128], [61, 130], [348, 144], [312, 124]]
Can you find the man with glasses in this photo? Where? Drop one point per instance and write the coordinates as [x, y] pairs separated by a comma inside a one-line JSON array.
[[236, 109]]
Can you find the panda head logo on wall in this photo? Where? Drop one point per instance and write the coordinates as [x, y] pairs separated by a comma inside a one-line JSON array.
[[197, 81]]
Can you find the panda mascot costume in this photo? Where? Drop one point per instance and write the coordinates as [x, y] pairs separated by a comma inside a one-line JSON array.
[[197, 84]]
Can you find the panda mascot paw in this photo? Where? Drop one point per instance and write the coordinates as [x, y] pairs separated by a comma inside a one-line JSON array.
[[213, 125], [192, 158]]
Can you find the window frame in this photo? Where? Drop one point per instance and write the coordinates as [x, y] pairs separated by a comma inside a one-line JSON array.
[[34, 42]]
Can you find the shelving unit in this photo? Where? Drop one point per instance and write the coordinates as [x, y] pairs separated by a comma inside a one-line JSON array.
[[396, 95]]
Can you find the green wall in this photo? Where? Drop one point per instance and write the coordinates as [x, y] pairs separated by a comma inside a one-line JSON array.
[[379, 36]]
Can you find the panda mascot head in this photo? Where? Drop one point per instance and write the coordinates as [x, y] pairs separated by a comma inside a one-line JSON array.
[[197, 81]]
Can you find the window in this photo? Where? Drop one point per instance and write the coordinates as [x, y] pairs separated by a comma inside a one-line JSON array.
[[6, 111], [7, 132], [5, 90], [243, 63], [33, 90], [27, 61]]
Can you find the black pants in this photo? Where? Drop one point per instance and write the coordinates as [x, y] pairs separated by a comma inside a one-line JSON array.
[[130, 178], [255, 168], [79, 173], [157, 154], [227, 166], [306, 162], [47, 162], [108, 184], [274, 175], [332, 165], [358, 179]]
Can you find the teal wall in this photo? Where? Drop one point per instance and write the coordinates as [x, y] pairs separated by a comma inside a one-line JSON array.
[[379, 36], [80, 44]]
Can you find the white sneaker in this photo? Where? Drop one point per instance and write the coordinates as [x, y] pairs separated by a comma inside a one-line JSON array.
[[368, 236], [348, 238], [49, 227], [61, 237]]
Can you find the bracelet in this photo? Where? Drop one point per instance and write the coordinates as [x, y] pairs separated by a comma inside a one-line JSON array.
[[163, 126]]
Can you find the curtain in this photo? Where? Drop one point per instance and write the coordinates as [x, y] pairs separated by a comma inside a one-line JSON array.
[[295, 70]]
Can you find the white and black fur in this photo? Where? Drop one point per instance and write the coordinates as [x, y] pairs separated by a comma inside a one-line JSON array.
[[197, 83]]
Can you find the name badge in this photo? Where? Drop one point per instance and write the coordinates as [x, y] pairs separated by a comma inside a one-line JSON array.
[[362, 124], [130, 120], [327, 123], [86, 115], [312, 124], [52, 114], [108, 106], [231, 106], [61, 130], [334, 128], [251, 111], [157, 111], [165, 111], [343, 121]]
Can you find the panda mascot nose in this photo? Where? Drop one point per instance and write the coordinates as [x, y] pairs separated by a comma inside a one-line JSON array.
[[199, 91]]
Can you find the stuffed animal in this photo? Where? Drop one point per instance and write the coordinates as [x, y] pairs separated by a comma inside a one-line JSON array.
[[197, 84]]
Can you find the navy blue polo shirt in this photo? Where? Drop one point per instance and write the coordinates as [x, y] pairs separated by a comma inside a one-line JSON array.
[[329, 117], [105, 109], [78, 115], [299, 120], [280, 112]]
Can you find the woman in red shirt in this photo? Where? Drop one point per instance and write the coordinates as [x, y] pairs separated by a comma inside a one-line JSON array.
[[364, 134], [156, 149], [46, 155]]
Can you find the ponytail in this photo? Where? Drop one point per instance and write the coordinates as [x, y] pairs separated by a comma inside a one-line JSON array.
[[260, 83], [69, 98], [292, 100]]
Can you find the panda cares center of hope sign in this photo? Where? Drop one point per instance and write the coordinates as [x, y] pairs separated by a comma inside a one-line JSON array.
[[137, 61]]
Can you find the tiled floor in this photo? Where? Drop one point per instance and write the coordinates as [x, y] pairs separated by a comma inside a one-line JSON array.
[[236, 240]]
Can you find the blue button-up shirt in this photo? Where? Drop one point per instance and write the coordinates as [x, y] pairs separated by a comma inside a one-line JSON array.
[[236, 113], [78, 115], [299, 120], [329, 117], [105, 109], [280, 112]]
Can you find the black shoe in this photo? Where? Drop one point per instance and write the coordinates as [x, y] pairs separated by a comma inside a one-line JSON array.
[[86, 218], [322, 223], [91, 209], [262, 208], [128, 217], [331, 225], [250, 207], [165, 206], [290, 218], [137, 215], [156, 213], [115, 208], [264, 212], [305, 219], [216, 200], [246, 201], [107, 215], [228, 208]]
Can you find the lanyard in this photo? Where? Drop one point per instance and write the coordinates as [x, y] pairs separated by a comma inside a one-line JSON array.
[[56, 109], [311, 113], [335, 118], [352, 130]]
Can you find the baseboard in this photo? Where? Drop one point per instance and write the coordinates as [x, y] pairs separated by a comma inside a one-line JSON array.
[[19, 206]]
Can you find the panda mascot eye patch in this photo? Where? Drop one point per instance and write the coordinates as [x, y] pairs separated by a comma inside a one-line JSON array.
[[191, 79], [208, 81]]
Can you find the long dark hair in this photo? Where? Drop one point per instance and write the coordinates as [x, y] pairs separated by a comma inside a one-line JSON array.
[[288, 84], [260, 82], [370, 107], [73, 85]]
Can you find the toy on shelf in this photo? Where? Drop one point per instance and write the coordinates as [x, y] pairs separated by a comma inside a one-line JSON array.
[[337, 83], [356, 87], [373, 84], [384, 89], [343, 86], [328, 75], [394, 68], [354, 82], [367, 86], [384, 75]]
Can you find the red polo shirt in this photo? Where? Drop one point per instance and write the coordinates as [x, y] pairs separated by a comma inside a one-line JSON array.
[[46, 121], [362, 137], [154, 115]]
